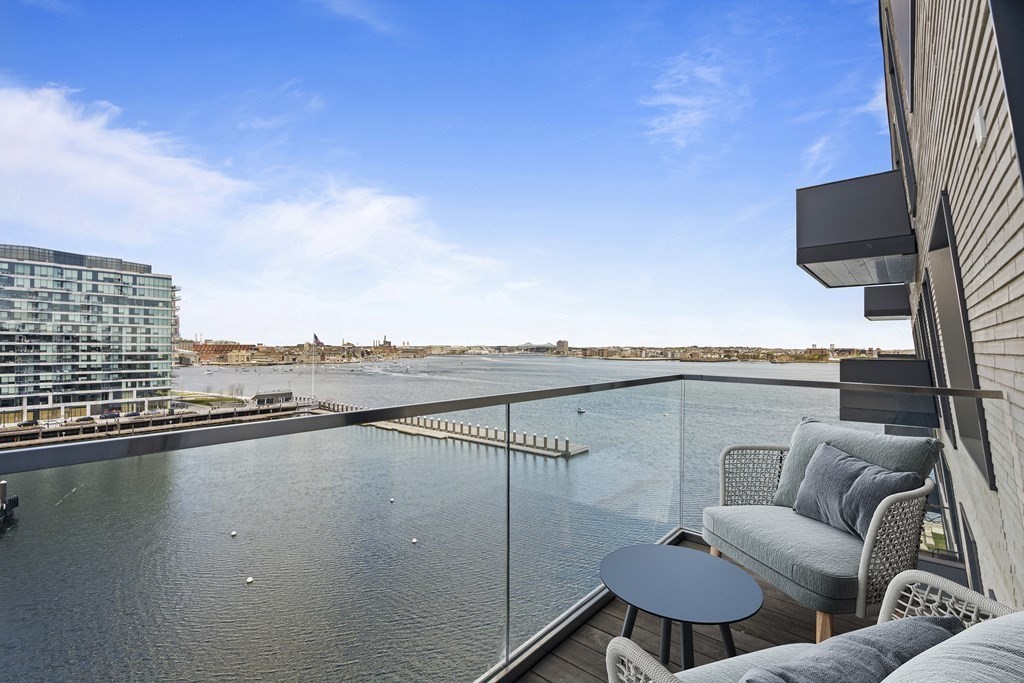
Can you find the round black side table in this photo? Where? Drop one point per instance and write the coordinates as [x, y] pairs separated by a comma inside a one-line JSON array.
[[684, 585]]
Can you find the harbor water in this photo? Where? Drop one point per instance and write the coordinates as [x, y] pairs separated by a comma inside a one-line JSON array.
[[127, 570]]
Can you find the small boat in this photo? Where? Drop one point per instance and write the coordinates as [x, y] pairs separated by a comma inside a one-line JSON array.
[[208, 372], [580, 411]]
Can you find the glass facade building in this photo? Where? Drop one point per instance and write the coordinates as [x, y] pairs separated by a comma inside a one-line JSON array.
[[81, 335]]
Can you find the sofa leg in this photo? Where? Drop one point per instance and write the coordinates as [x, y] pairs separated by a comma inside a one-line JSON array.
[[715, 552], [822, 627]]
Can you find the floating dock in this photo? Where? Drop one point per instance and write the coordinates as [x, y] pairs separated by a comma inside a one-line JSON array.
[[436, 428]]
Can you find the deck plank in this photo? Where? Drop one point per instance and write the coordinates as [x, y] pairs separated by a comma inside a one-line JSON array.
[[780, 620]]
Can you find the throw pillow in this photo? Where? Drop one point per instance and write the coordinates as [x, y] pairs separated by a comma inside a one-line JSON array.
[[896, 453], [843, 491], [991, 652], [864, 656]]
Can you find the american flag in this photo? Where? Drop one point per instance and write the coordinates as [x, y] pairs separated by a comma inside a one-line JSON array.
[[316, 340]]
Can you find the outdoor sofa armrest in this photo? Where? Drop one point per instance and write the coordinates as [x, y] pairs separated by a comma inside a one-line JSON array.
[[892, 543], [627, 662], [750, 474], [915, 593]]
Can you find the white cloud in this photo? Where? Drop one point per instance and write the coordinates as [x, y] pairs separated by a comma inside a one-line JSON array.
[[357, 10], [692, 94], [876, 106], [66, 168], [262, 123], [58, 7], [819, 158], [72, 178]]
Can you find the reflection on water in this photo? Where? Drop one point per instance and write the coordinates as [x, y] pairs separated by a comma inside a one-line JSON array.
[[127, 570]]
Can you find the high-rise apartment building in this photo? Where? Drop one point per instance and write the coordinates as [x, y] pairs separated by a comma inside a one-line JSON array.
[[81, 335]]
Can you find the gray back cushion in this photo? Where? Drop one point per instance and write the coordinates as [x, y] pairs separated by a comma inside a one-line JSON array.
[[895, 453], [991, 652], [843, 491], [867, 655]]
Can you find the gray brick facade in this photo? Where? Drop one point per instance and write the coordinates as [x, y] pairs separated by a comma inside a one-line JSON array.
[[958, 81]]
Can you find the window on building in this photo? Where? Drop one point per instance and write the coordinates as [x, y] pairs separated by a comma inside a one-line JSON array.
[[902, 135], [954, 339], [971, 556], [903, 14], [926, 316]]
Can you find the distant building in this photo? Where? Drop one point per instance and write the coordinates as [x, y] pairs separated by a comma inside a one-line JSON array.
[[81, 335], [221, 352], [266, 398], [562, 347]]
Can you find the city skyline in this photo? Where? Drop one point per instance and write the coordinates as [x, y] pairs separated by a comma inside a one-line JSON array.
[[507, 345], [619, 177]]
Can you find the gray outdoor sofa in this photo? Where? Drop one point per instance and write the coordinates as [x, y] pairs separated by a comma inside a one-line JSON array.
[[991, 650], [828, 569]]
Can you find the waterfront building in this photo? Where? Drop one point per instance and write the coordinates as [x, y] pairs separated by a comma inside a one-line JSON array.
[[81, 335], [224, 352], [939, 240]]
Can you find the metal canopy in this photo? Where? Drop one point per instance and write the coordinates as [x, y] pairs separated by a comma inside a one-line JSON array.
[[887, 302], [856, 232]]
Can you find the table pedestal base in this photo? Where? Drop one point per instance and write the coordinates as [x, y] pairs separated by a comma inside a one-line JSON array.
[[686, 637]]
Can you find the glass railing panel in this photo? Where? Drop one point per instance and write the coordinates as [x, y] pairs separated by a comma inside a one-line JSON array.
[[128, 568], [717, 415], [618, 485]]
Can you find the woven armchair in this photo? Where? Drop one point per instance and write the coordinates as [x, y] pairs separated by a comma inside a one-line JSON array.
[[910, 593], [750, 476]]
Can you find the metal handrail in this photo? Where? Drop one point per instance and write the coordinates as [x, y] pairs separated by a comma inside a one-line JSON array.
[[59, 455]]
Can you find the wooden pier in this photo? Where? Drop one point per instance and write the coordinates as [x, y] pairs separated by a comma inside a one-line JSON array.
[[436, 428]]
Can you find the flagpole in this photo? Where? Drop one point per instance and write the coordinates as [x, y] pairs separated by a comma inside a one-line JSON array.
[[312, 376]]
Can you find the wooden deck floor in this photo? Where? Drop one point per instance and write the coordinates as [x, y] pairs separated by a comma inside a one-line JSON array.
[[581, 657]]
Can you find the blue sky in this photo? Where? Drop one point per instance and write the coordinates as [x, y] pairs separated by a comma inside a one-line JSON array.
[[447, 171]]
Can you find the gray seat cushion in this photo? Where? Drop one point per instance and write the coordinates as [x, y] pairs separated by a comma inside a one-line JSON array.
[[864, 656], [814, 563], [991, 652], [895, 453], [732, 669]]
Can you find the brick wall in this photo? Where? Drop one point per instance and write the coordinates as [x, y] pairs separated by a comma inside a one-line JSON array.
[[957, 72]]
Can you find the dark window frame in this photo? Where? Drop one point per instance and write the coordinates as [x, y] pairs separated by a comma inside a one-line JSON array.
[[971, 562], [902, 134], [905, 44], [957, 345], [935, 356]]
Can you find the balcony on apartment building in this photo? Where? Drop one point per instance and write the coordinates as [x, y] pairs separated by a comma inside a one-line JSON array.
[[386, 546]]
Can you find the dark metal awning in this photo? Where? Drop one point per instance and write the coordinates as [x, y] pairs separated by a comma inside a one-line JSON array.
[[856, 232], [887, 302]]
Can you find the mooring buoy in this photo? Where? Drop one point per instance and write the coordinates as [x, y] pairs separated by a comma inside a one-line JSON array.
[[414, 541], [249, 580], [233, 534]]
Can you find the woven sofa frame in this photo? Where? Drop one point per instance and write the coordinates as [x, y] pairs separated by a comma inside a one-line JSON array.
[[750, 476], [911, 593]]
